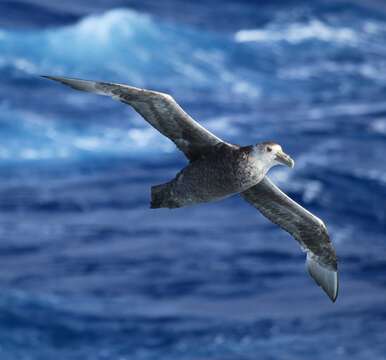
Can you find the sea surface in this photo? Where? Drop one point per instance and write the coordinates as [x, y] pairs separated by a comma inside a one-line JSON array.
[[88, 271]]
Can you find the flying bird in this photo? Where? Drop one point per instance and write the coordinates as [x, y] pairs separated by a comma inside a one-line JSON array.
[[218, 169]]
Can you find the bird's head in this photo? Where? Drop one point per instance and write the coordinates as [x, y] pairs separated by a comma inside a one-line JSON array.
[[272, 154]]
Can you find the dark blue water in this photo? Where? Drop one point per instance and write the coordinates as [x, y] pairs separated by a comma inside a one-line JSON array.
[[88, 271]]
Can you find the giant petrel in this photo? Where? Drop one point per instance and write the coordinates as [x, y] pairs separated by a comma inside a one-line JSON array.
[[217, 169]]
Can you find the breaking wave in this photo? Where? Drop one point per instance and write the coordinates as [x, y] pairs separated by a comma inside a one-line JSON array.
[[242, 77]]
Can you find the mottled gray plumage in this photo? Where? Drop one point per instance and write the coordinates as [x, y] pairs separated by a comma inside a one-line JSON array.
[[305, 227], [227, 169], [188, 135], [217, 170]]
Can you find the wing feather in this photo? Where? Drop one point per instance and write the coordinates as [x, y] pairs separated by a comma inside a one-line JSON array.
[[305, 227], [158, 109]]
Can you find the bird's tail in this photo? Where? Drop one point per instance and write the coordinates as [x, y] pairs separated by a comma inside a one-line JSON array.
[[161, 197]]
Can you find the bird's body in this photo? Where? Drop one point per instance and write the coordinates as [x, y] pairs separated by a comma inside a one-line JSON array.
[[224, 171], [218, 169]]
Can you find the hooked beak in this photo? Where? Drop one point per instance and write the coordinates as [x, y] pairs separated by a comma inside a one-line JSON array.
[[284, 159]]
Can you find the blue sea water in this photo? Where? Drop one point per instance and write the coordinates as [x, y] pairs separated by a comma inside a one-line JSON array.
[[88, 271]]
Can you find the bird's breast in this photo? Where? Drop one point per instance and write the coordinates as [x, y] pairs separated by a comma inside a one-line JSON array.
[[216, 177], [247, 173]]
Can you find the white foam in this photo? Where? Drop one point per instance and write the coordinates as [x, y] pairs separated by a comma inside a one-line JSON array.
[[224, 126], [312, 190], [379, 126], [37, 137], [298, 32], [373, 71], [102, 28]]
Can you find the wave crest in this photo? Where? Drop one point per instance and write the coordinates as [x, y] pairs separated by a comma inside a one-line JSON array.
[[298, 32]]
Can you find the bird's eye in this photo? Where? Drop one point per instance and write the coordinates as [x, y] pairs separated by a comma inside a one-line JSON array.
[[269, 149]]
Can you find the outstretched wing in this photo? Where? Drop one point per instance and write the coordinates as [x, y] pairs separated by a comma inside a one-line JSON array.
[[306, 228], [159, 109]]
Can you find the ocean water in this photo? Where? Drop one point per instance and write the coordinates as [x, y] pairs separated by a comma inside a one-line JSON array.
[[88, 271]]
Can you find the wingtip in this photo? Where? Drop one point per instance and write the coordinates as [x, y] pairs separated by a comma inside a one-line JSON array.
[[334, 296], [49, 77], [78, 84], [326, 278]]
